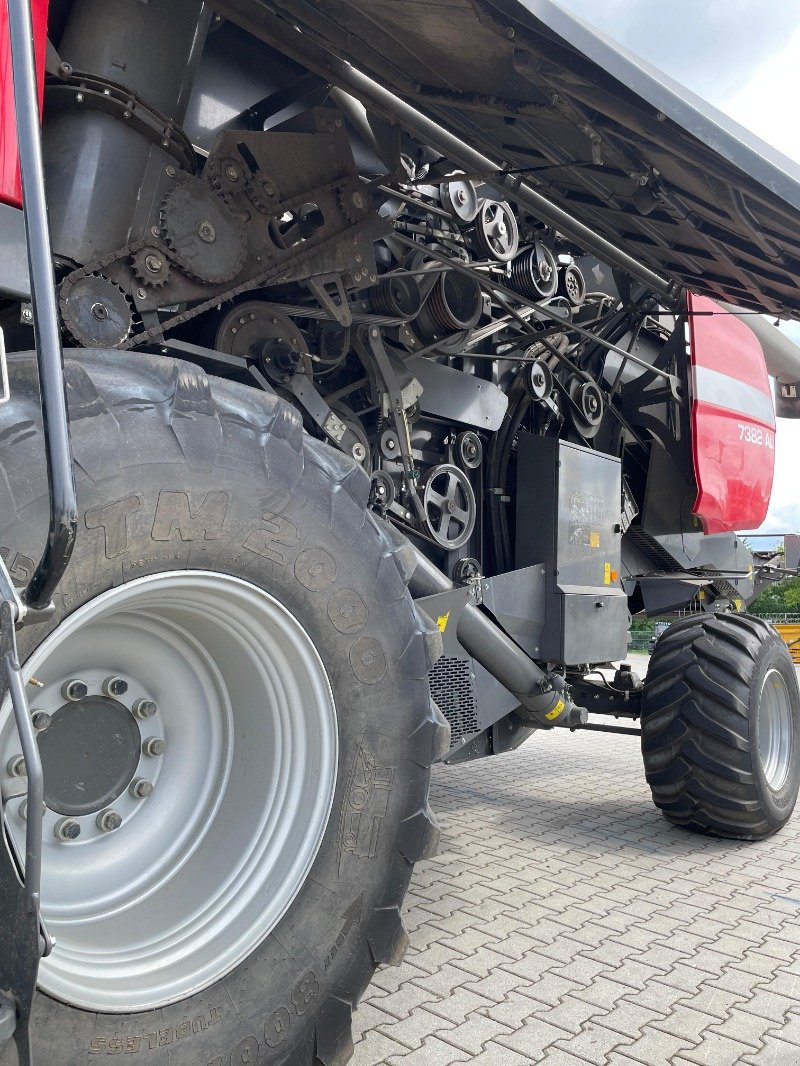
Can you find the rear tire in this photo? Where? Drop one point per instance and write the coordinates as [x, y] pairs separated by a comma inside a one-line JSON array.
[[721, 727], [180, 474]]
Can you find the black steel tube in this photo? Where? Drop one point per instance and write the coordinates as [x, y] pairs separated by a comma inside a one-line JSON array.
[[58, 453], [484, 639], [35, 794]]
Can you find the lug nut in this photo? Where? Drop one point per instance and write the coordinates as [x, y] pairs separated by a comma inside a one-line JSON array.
[[108, 821], [115, 686], [141, 788], [74, 690], [16, 766], [22, 810], [144, 708], [40, 720], [154, 746], [67, 829]]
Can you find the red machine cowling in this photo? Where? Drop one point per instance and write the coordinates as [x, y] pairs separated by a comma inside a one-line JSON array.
[[733, 420], [10, 186]]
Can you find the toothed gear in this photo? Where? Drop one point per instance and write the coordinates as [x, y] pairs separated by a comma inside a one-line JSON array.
[[96, 312], [203, 236], [263, 192], [151, 267], [353, 204], [227, 175]]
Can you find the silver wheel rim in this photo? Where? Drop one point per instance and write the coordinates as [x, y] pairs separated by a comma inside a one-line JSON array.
[[202, 869], [775, 729]]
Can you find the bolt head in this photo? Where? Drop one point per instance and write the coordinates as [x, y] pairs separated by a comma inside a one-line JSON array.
[[108, 821], [144, 708], [206, 232], [141, 294], [67, 829], [171, 171], [16, 766], [153, 263], [154, 746], [115, 686], [231, 173], [74, 690], [27, 314], [40, 720], [141, 788], [99, 311]]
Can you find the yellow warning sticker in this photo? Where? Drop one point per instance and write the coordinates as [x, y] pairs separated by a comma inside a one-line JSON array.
[[594, 539], [556, 711], [442, 621], [607, 573]]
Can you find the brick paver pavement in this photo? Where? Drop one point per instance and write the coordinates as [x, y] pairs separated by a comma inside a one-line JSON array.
[[565, 922]]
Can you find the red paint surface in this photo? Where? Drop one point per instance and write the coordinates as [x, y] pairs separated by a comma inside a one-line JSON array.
[[10, 186], [733, 450]]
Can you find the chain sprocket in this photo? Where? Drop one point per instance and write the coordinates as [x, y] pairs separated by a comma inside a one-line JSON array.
[[201, 232], [96, 312], [151, 267]]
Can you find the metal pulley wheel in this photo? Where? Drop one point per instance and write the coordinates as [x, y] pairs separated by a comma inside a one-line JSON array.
[[572, 284], [257, 330], [586, 408], [466, 570], [460, 197], [496, 231], [534, 273], [382, 492], [449, 504], [469, 450], [539, 380]]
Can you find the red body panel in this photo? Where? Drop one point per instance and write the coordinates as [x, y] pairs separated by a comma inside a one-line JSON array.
[[733, 420], [10, 187]]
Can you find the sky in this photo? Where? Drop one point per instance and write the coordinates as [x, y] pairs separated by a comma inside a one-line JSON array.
[[743, 57]]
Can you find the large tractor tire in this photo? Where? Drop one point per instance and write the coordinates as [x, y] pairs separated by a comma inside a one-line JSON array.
[[240, 730], [721, 727]]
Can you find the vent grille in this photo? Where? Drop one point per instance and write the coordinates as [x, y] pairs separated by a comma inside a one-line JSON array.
[[454, 693]]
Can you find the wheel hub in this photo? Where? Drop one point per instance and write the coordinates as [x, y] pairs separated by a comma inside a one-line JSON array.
[[90, 753]]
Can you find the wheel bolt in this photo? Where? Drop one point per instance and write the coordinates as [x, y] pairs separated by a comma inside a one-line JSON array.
[[154, 746], [67, 829], [16, 766], [141, 788], [108, 821], [144, 708], [115, 686], [40, 720], [74, 690], [22, 810]]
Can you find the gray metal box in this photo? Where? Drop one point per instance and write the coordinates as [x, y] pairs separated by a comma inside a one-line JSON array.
[[568, 520]]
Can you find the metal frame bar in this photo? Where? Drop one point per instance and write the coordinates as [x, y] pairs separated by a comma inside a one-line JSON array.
[[61, 480]]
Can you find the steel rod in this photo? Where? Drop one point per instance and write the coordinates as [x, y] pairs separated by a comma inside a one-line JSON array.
[[58, 453]]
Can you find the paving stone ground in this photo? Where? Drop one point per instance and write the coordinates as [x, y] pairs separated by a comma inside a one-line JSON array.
[[565, 922]]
